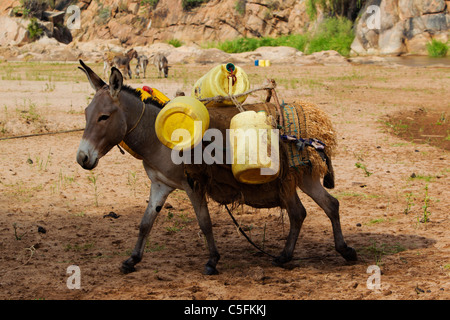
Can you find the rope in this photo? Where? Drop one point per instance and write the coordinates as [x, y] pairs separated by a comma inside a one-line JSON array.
[[231, 80], [245, 235], [269, 86], [139, 120], [41, 134]]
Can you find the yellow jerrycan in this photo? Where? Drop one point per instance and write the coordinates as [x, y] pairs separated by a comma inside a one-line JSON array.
[[255, 148], [147, 92], [222, 80], [182, 113]]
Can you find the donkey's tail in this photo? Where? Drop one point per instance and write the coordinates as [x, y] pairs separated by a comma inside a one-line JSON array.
[[328, 179]]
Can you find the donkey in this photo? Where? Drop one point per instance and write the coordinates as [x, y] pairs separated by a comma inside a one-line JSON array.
[[142, 63], [116, 113], [161, 63], [120, 61]]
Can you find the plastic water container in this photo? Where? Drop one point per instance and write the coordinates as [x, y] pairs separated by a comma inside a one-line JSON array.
[[147, 92], [267, 63], [262, 63], [256, 63], [182, 113], [222, 80], [255, 154]]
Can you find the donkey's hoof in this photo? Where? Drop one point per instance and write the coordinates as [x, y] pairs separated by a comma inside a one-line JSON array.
[[127, 267], [280, 260], [210, 270], [350, 254]]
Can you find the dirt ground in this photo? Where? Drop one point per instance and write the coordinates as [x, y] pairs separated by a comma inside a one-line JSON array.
[[392, 181]]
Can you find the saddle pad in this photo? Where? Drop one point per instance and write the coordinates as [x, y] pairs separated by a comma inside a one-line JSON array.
[[295, 125]]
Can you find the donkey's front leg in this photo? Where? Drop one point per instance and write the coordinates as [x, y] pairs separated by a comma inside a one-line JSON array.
[[158, 195]]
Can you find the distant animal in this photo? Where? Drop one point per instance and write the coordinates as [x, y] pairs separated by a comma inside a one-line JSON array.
[[117, 113], [142, 63], [161, 63], [119, 61]]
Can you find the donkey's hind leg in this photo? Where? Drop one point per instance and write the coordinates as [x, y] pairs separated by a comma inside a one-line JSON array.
[[297, 214], [313, 188], [200, 205]]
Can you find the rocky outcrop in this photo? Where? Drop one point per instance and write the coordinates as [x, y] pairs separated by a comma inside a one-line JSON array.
[[216, 20], [405, 26], [13, 31]]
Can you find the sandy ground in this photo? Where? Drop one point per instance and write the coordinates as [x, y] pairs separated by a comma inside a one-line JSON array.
[[382, 202]]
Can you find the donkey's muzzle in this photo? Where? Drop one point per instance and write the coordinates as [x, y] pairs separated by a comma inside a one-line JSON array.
[[86, 158]]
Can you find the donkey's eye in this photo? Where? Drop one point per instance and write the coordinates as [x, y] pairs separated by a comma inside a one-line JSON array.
[[103, 117]]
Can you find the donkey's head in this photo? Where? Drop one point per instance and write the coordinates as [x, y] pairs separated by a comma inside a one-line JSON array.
[[132, 54], [105, 119]]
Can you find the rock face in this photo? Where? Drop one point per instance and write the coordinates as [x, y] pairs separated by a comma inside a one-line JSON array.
[[215, 20], [13, 31], [404, 26]]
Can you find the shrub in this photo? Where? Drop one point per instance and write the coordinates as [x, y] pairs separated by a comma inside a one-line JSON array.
[[175, 42], [34, 29], [333, 34], [437, 49]]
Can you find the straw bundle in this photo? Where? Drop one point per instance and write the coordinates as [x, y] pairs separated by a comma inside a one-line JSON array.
[[308, 121]]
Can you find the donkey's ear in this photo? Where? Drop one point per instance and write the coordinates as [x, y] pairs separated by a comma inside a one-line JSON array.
[[115, 82], [95, 81]]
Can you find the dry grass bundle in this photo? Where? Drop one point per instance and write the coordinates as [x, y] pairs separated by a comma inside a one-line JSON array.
[[316, 124]]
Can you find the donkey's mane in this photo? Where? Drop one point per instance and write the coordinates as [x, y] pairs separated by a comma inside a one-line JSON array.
[[138, 94]]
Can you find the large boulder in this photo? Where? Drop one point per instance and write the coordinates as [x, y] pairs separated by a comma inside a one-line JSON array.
[[406, 27], [13, 31]]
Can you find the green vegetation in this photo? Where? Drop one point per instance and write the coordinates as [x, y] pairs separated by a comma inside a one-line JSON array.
[[34, 29], [93, 179], [362, 166], [409, 202], [426, 212], [238, 45], [175, 42], [29, 113], [437, 49], [104, 14], [378, 251], [332, 34], [239, 6]]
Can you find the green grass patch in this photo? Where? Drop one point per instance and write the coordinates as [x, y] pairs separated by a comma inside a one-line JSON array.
[[378, 251], [427, 178], [333, 34], [437, 49], [175, 42], [239, 45]]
